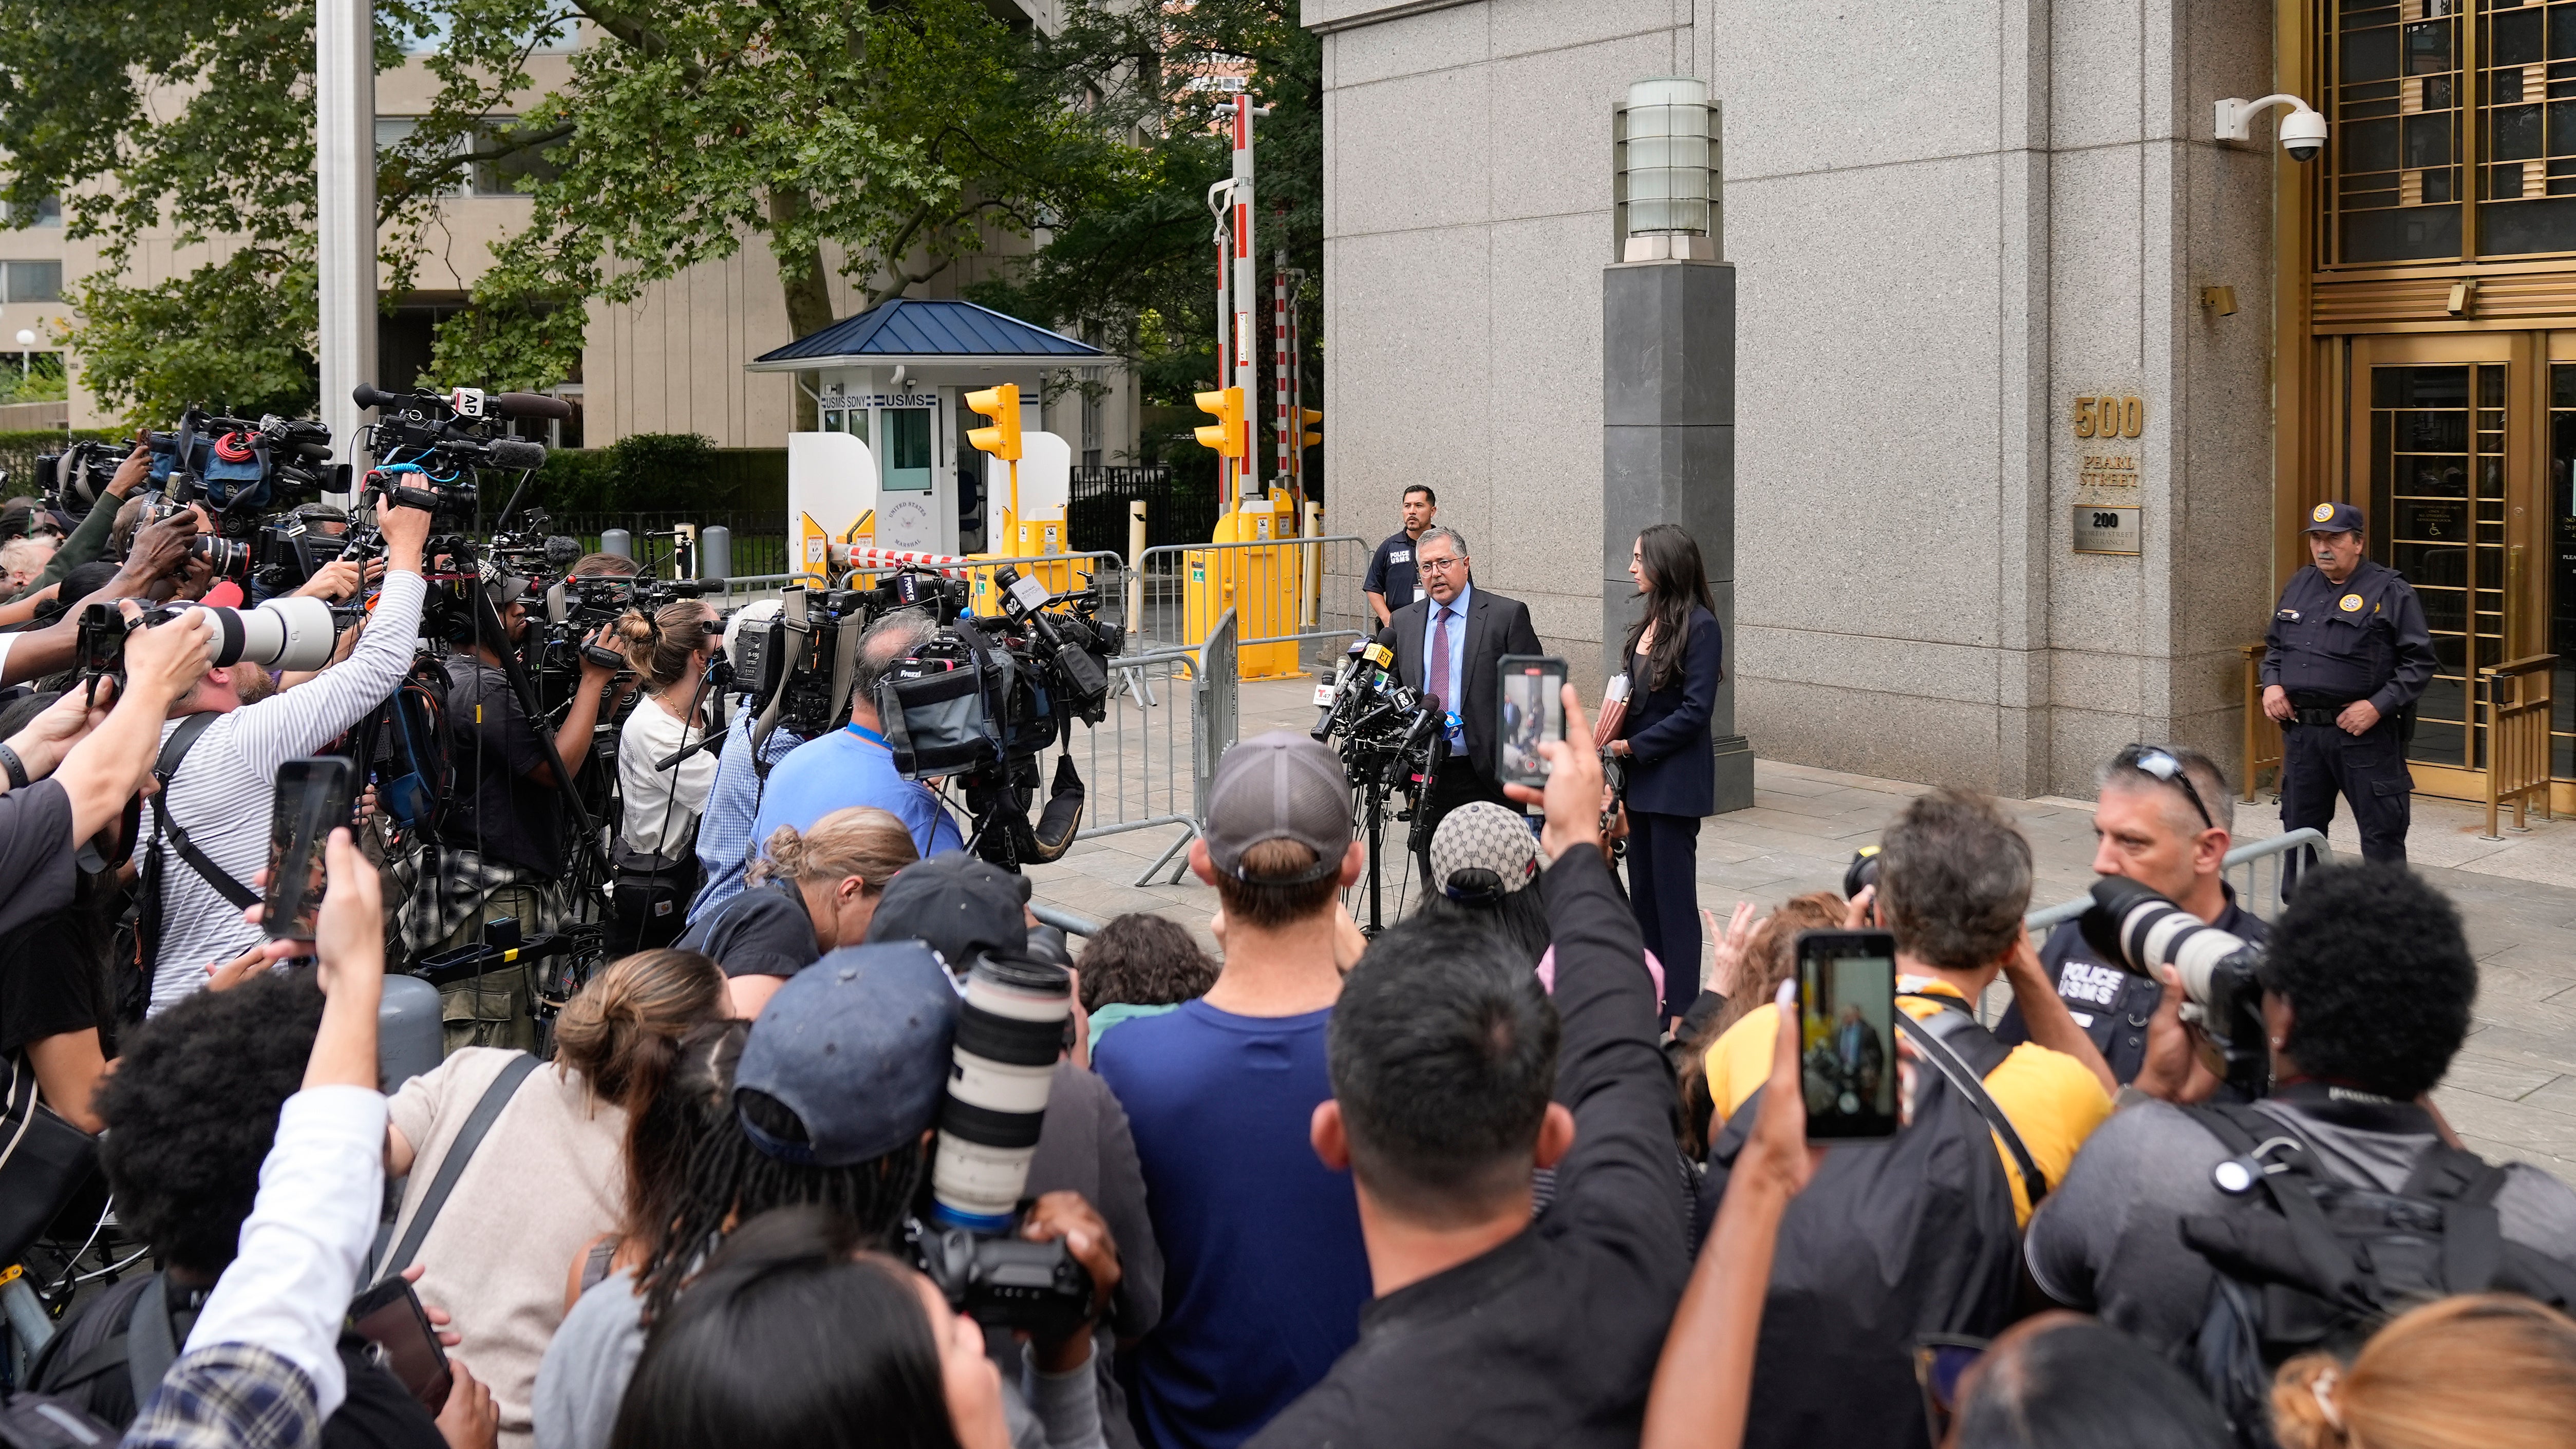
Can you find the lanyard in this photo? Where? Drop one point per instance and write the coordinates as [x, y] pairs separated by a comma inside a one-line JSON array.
[[871, 736]]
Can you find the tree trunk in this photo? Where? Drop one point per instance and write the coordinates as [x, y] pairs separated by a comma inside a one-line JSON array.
[[808, 290]]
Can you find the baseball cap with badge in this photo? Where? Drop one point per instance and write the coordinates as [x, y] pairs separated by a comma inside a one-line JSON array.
[[1279, 786], [505, 589], [2333, 518], [857, 1049]]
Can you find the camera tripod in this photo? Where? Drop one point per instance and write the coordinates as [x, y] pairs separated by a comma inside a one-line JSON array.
[[1370, 796]]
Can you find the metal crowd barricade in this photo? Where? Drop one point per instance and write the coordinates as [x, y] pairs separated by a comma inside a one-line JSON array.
[[1282, 591], [2518, 705], [2259, 871], [1140, 759]]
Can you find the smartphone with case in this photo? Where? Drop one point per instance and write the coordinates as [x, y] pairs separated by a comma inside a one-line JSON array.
[[313, 799], [1532, 711], [399, 1336], [1847, 1034]]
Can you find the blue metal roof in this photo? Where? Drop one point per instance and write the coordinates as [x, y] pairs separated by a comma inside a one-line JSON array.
[[909, 329]]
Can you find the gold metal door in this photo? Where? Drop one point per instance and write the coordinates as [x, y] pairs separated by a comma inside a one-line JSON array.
[[2447, 446]]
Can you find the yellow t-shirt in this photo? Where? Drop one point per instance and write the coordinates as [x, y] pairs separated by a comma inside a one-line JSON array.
[[2053, 1102]]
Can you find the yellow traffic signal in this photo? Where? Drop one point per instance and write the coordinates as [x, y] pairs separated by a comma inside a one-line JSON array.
[[1002, 405], [1225, 435], [1312, 417]]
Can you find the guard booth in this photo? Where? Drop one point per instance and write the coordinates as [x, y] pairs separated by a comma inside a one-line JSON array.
[[890, 465]]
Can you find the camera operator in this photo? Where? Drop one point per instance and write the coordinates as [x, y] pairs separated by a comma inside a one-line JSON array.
[[2162, 816], [207, 835], [150, 572], [1447, 644], [90, 539], [2367, 986], [725, 847], [656, 870], [853, 765]]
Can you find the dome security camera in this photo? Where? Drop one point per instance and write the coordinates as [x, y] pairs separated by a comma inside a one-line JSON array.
[[2303, 134]]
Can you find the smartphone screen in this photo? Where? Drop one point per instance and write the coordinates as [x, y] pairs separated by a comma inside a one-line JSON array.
[[1847, 1032], [312, 799], [1533, 706], [399, 1336]]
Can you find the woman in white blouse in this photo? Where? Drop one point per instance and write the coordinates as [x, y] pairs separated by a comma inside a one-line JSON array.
[[657, 870]]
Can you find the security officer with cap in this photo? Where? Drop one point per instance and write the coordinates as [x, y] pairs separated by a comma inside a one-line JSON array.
[[2346, 653]]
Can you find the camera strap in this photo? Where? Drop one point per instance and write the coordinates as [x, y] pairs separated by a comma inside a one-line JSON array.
[[1927, 1038], [478, 1125], [164, 766]]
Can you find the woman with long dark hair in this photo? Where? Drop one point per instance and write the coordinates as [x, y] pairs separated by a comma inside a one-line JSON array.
[[1676, 657]]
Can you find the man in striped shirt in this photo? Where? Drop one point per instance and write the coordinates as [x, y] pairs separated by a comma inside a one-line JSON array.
[[220, 794]]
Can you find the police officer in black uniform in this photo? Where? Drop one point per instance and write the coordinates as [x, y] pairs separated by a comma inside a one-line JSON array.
[[2347, 652], [1393, 578], [2163, 817]]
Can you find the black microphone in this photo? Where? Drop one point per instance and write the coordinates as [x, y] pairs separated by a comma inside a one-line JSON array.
[[517, 453], [367, 395], [529, 405]]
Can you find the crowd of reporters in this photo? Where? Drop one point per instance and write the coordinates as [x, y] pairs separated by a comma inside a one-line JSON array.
[[1454, 1183]]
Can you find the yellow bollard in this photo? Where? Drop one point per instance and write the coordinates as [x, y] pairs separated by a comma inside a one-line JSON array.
[[1260, 584]]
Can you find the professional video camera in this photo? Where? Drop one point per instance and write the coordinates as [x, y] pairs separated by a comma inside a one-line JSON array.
[[2222, 991], [983, 699], [444, 439], [280, 634], [1010, 1030], [796, 666], [573, 955]]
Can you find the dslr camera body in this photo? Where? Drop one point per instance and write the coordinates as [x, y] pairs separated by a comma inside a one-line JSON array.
[[1010, 1031], [287, 633], [2140, 929]]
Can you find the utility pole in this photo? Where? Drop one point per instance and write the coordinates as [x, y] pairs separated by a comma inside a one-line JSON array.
[[344, 162], [1247, 482]]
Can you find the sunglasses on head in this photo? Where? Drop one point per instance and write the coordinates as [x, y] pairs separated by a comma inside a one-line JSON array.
[[2161, 764]]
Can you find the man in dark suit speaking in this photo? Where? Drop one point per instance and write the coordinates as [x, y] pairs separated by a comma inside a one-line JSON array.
[[1446, 644]]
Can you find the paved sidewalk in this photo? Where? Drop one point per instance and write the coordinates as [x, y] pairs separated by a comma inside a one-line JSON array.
[[2511, 1093]]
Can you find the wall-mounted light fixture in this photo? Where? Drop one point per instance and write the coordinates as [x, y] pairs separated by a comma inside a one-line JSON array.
[[1664, 164], [2303, 131], [2221, 301]]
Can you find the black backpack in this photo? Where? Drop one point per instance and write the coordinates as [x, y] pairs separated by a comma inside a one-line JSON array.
[[2311, 1262], [414, 769], [1891, 1243]]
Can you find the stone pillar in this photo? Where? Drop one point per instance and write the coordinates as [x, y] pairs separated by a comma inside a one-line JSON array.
[[1668, 454]]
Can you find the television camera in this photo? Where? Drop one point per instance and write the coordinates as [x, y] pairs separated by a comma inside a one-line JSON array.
[[980, 701]]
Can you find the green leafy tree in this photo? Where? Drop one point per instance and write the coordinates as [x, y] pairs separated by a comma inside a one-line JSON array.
[[1136, 264], [886, 139]]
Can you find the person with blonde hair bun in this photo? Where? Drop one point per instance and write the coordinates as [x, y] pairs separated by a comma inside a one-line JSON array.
[[657, 868], [2478, 1371], [549, 1175], [810, 891]]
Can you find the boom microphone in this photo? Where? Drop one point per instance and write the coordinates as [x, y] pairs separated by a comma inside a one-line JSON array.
[[517, 453], [530, 405], [367, 395]]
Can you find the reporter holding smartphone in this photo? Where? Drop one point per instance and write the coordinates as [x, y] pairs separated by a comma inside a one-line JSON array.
[[1676, 657]]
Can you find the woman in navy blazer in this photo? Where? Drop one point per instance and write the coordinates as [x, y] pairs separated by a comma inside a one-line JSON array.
[[1675, 656]]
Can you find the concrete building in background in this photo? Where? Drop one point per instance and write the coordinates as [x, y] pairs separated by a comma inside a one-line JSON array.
[[1957, 230]]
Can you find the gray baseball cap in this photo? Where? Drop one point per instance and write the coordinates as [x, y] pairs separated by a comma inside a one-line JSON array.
[[957, 905], [1279, 786], [857, 1046]]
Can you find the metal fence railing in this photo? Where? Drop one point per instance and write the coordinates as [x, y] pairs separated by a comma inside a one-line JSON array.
[[760, 543], [1175, 511], [1284, 591], [1172, 714]]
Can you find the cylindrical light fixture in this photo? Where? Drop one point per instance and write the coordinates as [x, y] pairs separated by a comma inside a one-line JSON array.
[[1665, 164]]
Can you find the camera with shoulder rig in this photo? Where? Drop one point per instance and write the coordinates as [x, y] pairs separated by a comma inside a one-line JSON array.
[[435, 444], [983, 699], [2133, 925]]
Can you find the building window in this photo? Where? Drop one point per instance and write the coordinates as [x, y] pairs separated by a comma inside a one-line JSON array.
[[31, 281], [2454, 134], [1095, 405], [49, 212], [481, 178]]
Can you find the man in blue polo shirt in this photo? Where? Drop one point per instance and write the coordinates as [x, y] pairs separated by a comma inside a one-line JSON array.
[[852, 765], [1392, 579]]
